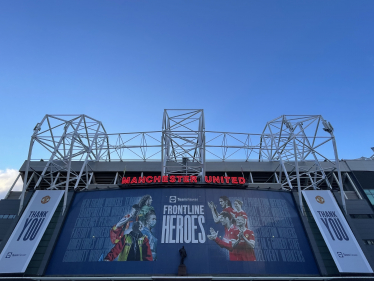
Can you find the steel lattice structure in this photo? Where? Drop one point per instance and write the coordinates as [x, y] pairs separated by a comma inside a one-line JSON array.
[[183, 142], [297, 143], [68, 138], [294, 139]]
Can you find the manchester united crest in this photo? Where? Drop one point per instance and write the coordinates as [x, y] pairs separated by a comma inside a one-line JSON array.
[[320, 199], [45, 199]]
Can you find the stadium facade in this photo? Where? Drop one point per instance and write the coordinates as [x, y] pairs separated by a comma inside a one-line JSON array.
[[278, 205]]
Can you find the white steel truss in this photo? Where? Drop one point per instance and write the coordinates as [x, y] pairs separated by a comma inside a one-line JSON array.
[[295, 139], [183, 140], [302, 145], [67, 138], [143, 146]]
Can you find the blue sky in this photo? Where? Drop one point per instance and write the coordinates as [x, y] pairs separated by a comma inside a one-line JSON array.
[[243, 62]]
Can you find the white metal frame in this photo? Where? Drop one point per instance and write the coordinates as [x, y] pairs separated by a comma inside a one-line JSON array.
[[66, 138], [297, 143], [183, 142], [298, 138]]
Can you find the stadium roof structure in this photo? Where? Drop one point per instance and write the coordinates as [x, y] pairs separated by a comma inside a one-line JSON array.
[[294, 159], [298, 144]]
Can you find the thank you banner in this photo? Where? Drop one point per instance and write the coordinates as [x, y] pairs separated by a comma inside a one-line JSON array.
[[26, 236], [336, 232]]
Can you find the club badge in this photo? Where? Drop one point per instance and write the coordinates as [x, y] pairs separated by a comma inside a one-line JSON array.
[[320, 199], [45, 199]]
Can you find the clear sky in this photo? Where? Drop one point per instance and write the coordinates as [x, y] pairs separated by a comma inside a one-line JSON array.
[[244, 62]]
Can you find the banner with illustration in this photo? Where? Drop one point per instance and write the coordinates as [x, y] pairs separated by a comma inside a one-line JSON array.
[[140, 231]]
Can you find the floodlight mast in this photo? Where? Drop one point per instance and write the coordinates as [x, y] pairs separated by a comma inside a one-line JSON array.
[[293, 139], [66, 138], [183, 143]]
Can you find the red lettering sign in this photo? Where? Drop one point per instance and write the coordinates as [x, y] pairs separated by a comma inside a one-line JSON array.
[[182, 179], [194, 179], [216, 180], [157, 179], [149, 179], [125, 180]]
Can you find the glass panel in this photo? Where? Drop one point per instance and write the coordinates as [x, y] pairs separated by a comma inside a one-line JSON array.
[[367, 191], [5, 216], [371, 198]]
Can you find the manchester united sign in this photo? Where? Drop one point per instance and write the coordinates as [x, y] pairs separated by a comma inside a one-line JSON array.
[[182, 179]]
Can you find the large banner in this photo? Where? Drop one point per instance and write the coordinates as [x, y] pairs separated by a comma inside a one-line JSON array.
[[336, 232], [140, 231], [26, 236]]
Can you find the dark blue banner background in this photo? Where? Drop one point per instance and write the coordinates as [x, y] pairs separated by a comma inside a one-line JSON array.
[[281, 246]]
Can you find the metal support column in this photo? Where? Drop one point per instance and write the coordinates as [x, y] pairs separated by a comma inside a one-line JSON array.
[[298, 178]]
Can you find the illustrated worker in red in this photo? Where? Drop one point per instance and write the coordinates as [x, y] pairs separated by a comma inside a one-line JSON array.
[[240, 242], [239, 211], [231, 233], [133, 246], [117, 231], [226, 205]]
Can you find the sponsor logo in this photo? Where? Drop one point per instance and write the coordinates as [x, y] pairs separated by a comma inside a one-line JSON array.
[[174, 199], [342, 255], [188, 199], [10, 254], [320, 199], [45, 199]]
